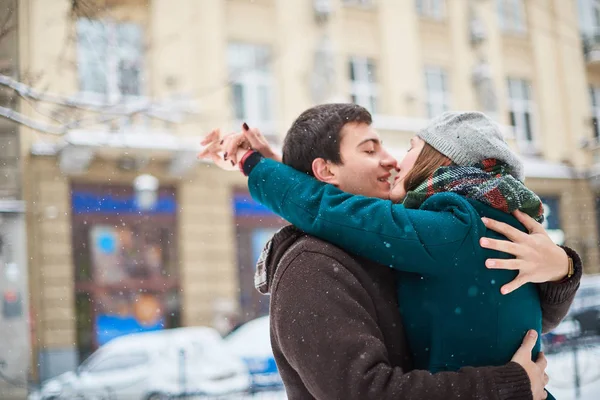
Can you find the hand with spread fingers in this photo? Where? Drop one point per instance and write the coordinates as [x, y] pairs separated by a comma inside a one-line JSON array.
[[216, 148], [537, 258], [211, 145], [227, 151]]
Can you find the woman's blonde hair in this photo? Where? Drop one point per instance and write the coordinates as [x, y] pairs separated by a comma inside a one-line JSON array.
[[427, 162]]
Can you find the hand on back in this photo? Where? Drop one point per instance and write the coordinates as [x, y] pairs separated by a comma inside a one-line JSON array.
[[536, 371], [537, 258]]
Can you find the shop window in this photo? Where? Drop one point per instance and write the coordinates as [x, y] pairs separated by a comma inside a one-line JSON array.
[[126, 264]]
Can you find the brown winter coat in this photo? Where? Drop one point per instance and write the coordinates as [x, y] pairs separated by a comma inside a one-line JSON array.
[[336, 331]]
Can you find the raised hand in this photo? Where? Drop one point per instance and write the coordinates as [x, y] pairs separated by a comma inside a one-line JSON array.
[[225, 151], [259, 143]]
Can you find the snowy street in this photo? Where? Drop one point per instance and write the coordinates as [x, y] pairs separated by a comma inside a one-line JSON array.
[[562, 376]]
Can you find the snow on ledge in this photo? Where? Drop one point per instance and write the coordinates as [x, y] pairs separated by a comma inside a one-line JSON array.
[[534, 167], [539, 168]]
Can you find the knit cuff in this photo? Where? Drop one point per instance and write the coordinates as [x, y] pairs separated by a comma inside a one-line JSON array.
[[250, 162], [559, 292], [512, 382]]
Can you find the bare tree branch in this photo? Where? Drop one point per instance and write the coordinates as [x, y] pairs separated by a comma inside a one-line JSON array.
[[17, 117], [37, 109], [59, 113], [5, 28], [29, 92], [169, 110]]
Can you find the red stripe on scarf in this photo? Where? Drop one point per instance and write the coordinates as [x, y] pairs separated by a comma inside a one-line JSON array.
[[497, 200], [430, 189], [489, 164]]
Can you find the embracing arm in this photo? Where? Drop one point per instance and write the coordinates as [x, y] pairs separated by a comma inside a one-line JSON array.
[[411, 240], [332, 340]]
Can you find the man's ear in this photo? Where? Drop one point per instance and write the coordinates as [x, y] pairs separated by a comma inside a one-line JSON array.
[[324, 171]]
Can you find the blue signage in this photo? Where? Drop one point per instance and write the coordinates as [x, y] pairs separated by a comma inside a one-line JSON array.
[[83, 202], [245, 206]]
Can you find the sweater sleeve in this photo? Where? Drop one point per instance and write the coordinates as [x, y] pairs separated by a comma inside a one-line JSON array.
[[556, 297], [406, 239], [332, 341]]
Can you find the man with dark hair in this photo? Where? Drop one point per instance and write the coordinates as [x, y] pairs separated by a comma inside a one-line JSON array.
[[336, 331], [306, 142]]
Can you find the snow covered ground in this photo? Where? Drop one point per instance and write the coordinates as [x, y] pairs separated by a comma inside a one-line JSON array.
[[560, 369], [562, 374], [258, 396]]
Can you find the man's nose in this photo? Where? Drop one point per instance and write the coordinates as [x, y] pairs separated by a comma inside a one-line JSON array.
[[389, 162]]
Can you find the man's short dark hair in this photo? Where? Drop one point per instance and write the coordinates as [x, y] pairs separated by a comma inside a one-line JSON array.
[[316, 133]]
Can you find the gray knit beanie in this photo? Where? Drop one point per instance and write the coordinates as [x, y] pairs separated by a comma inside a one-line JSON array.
[[470, 137]]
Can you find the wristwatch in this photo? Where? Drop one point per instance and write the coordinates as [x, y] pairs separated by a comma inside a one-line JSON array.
[[571, 271]]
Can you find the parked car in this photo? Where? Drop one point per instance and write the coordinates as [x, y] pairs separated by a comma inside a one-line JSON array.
[[154, 365], [589, 320], [252, 343], [568, 329]]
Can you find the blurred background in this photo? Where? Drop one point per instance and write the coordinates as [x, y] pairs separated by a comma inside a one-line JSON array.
[[110, 226]]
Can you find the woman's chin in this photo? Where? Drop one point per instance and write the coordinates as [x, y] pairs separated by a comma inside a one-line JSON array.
[[396, 197]]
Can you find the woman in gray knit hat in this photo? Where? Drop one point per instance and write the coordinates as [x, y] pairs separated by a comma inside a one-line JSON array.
[[463, 139], [458, 172]]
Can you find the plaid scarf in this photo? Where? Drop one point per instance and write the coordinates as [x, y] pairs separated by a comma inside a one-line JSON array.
[[488, 182]]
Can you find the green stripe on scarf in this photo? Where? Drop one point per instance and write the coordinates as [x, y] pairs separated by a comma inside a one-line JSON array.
[[488, 182]]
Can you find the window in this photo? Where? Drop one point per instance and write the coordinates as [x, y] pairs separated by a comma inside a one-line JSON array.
[[511, 16], [363, 83], [252, 89], [589, 17], [365, 3], [551, 221], [595, 101], [521, 109], [431, 8], [110, 58], [438, 96]]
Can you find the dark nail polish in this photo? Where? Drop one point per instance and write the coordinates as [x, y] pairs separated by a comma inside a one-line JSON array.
[[232, 163], [222, 141], [245, 126], [225, 156]]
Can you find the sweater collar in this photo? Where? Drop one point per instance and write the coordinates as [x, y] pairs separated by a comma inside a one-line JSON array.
[[272, 253]]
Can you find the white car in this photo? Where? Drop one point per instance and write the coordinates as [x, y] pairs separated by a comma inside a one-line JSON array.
[[570, 328], [252, 342], [154, 365]]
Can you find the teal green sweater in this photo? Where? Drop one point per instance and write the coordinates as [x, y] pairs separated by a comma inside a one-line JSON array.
[[453, 311]]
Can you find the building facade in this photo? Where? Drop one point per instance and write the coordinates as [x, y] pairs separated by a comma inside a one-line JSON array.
[[101, 265]]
